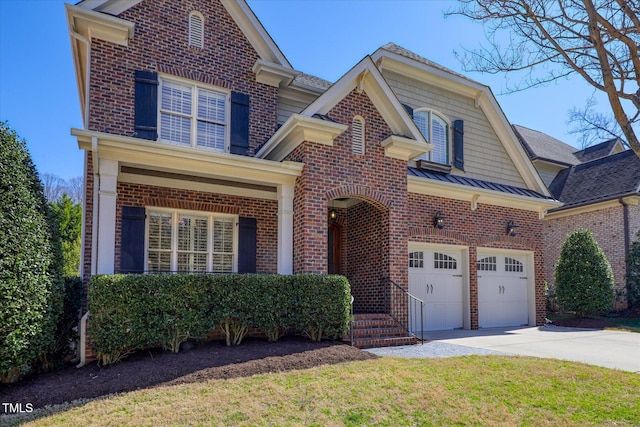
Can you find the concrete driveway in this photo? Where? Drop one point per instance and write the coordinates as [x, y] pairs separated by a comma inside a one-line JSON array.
[[611, 349]]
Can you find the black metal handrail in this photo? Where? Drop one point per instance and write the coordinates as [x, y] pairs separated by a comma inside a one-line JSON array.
[[414, 303], [351, 320]]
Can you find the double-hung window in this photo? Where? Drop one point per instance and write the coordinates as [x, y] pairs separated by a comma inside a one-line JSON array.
[[435, 129], [191, 242], [192, 115]]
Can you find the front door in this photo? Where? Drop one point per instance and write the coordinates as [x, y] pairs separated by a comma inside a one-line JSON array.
[[334, 264]]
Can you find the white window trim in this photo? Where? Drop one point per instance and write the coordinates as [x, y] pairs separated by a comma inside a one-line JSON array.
[[192, 42], [174, 235], [429, 138], [194, 110]]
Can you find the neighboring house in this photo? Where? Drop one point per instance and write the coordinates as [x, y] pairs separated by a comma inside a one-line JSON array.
[[205, 151], [600, 189]]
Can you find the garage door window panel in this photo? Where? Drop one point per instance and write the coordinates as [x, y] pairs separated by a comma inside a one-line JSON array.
[[444, 261], [513, 265], [416, 259]]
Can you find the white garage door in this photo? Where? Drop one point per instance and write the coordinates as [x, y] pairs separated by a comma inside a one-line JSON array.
[[502, 290], [435, 276]]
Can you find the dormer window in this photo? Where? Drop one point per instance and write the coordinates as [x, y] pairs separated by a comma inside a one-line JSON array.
[[192, 115], [196, 29], [435, 129]]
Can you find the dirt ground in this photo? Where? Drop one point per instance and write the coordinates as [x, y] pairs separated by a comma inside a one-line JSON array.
[[211, 360]]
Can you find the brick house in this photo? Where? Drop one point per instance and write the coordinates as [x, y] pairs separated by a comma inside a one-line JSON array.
[[599, 187], [205, 151]]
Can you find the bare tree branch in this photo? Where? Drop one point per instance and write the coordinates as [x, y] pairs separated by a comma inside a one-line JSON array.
[[598, 40]]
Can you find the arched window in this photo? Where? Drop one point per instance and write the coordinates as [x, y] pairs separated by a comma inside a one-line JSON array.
[[196, 29], [435, 129], [357, 135]]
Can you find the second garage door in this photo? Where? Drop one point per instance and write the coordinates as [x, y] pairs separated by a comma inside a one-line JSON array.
[[502, 289]]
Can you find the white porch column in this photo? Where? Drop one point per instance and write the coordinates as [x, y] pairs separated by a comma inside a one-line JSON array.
[[285, 228], [108, 176]]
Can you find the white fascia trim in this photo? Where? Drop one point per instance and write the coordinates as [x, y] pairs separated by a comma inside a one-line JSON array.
[[426, 73], [255, 32], [273, 74], [187, 160], [366, 77], [398, 147], [295, 131], [612, 203], [478, 195], [112, 7], [89, 23]]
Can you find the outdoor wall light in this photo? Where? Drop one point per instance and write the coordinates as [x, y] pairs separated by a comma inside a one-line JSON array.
[[511, 228], [438, 220], [333, 213]]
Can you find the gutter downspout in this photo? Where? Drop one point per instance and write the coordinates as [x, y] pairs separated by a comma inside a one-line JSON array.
[[94, 147], [625, 220]]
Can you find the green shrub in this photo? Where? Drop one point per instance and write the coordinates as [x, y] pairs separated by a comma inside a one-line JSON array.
[[633, 274], [31, 289], [584, 279], [322, 306], [134, 312]]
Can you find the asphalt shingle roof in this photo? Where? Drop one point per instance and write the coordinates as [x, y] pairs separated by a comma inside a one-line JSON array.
[[596, 151], [542, 146], [477, 183], [602, 179]]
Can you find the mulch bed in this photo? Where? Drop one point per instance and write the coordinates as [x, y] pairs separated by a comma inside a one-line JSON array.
[[589, 323], [205, 361]]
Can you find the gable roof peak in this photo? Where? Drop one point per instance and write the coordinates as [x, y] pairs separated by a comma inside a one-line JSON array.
[[239, 10]]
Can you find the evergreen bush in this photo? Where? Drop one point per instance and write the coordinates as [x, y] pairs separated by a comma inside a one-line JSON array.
[[633, 274], [31, 287], [584, 279]]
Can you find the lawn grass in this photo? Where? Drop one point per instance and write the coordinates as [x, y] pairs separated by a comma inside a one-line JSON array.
[[473, 390]]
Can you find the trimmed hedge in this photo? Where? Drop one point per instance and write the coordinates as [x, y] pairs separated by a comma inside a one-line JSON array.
[[134, 312]]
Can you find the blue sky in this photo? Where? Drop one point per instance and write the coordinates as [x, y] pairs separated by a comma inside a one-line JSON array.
[[39, 96]]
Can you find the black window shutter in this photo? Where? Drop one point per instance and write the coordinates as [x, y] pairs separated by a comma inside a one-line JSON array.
[[132, 240], [409, 110], [146, 105], [239, 123], [458, 144], [247, 245]]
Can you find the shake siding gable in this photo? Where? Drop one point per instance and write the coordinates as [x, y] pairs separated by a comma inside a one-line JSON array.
[[484, 155]]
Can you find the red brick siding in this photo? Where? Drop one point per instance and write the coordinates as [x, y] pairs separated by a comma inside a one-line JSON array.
[[367, 255], [484, 227], [334, 172], [160, 44], [607, 226], [265, 211]]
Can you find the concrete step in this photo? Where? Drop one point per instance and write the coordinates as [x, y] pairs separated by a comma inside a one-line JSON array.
[[384, 342]]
